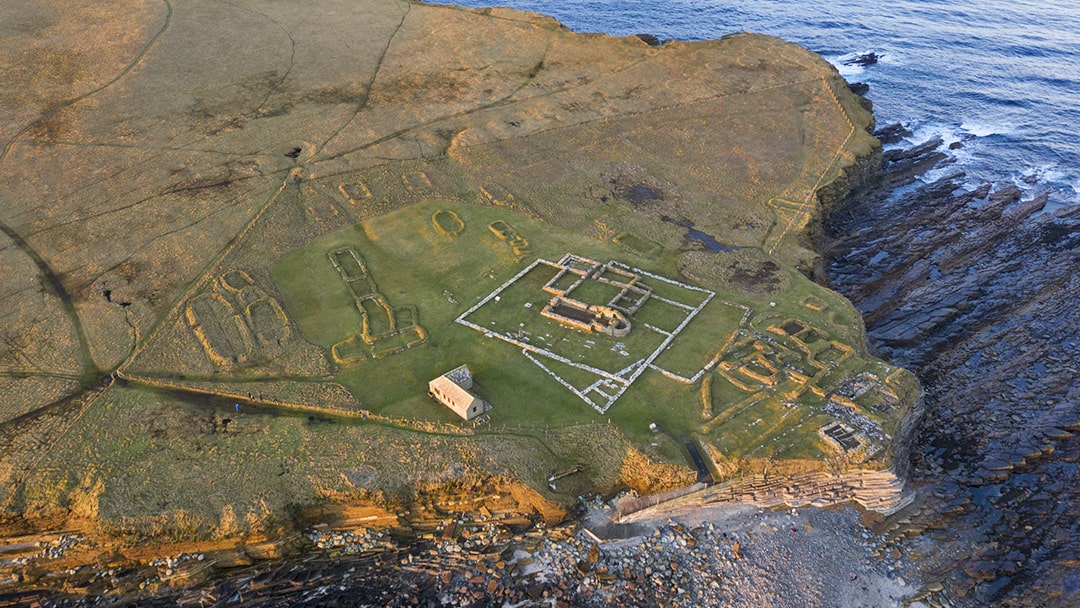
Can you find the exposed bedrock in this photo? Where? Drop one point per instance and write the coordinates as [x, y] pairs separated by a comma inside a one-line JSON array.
[[975, 288]]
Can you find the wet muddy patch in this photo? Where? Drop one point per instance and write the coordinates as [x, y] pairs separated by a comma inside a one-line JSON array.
[[747, 271], [696, 238], [634, 184]]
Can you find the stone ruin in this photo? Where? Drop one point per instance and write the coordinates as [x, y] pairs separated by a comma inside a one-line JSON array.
[[587, 318], [841, 436], [611, 319]]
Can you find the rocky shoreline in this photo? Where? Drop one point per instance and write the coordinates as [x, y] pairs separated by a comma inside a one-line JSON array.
[[974, 288], [729, 557], [970, 286]]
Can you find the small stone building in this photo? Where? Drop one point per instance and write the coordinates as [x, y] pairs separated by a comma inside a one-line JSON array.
[[454, 390]]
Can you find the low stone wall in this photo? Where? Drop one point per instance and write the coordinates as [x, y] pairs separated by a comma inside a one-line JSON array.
[[880, 491], [634, 504]]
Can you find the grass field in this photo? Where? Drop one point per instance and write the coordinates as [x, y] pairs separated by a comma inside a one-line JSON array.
[[194, 251], [416, 263], [687, 357]]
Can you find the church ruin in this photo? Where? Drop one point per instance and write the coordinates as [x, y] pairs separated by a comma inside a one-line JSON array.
[[587, 318], [612, 318]]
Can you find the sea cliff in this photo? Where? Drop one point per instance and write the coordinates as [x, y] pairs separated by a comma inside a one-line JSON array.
[[231, 218]]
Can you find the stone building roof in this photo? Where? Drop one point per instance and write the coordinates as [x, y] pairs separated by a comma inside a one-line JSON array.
[[452, 390]]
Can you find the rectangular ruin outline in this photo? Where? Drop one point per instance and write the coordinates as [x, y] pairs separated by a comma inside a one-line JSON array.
[[565, 264], [363, 288], [839, 409]]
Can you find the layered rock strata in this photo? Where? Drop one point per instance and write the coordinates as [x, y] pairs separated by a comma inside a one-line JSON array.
[[975, 288]]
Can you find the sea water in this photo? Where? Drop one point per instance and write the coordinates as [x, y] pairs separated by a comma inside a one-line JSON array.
[[1001, 78]]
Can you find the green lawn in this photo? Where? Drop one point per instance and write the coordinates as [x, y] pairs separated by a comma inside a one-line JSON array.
[[413, 265], [701, 339]]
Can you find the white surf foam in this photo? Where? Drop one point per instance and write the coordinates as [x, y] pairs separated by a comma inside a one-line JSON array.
[[980, 130], [924, 132]]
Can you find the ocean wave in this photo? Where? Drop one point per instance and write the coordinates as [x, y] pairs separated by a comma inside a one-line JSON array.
[[1063, 183], [981, 130], [953, 136], [961, 142], [922, 132]]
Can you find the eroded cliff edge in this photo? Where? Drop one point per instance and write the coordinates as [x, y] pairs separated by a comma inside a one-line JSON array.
[[242, 239]]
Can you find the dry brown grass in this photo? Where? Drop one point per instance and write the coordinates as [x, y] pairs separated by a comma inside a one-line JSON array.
[[140, 200], [647, 476]]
